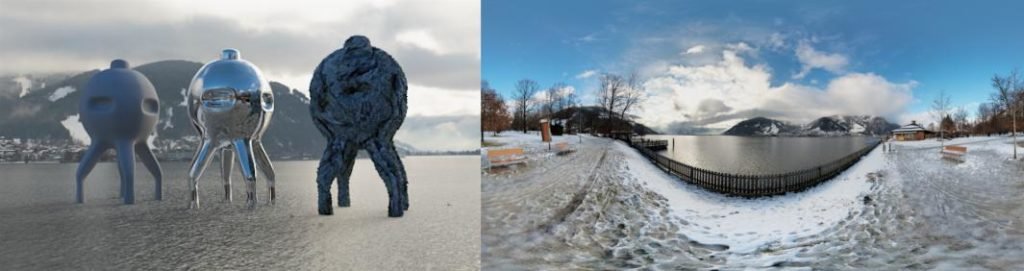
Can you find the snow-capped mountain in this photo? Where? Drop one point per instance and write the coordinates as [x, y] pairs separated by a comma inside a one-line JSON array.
[[51, 113], [761, 126], [848, 125], [824, 126]]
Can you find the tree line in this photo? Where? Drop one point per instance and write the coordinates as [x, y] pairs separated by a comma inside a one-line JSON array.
[[1000, 115], [617, 97]]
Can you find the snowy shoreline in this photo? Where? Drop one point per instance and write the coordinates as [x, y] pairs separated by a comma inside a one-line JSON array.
[[861, 218]]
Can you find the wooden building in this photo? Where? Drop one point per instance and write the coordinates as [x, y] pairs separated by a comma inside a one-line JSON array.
[[911, 132]]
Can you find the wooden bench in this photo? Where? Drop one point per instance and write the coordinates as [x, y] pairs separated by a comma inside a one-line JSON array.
[[504, 157], [954, 152], [563, 148]]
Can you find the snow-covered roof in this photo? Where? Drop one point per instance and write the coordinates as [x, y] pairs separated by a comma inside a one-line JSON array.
[[910, 128]]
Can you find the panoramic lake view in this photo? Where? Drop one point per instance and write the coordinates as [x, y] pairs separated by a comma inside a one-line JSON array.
[[44, 229], [759, 155]]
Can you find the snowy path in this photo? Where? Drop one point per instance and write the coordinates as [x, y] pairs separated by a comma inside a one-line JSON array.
[[606, 207]]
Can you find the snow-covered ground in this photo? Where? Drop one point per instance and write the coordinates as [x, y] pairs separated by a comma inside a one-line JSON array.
[[748, 224], [531, 143], [1000, 144], [607, 207]]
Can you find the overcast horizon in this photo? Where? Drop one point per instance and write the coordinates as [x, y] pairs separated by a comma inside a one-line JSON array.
[[437, 43]]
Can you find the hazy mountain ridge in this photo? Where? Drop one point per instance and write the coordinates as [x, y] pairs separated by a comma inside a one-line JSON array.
[[824, 126], [761, 126], [38, 115]]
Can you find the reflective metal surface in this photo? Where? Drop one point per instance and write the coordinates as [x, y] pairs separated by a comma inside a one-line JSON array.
[[230, 104]]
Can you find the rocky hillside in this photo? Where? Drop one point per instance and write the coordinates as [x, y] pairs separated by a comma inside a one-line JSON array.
[[761, 126], [824, 126], [849, 125]]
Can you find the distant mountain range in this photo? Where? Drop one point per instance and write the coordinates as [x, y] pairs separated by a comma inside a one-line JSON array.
[[46, 108], [824, 126]]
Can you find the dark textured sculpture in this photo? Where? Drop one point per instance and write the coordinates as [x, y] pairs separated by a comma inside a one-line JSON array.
[[358, 101], [230, 104], [119, 109]]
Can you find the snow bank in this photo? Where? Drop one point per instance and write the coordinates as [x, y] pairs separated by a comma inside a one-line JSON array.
[[75, 128], [61, 93], [998, 144], [748, 224], [530, 142]]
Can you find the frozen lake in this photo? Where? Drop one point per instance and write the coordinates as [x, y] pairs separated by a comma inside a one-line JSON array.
[[759, 155], [41, 227]]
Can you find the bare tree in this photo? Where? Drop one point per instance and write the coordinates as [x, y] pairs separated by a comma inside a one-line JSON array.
[[525, 89], [1005, 97], [571, 100], [632, 96], [556, 96], [610, 97], [960, 119], [940, 110], [551, 101]]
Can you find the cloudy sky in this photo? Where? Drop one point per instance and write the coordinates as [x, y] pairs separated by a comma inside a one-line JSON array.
[[436, 42], [711, 64]]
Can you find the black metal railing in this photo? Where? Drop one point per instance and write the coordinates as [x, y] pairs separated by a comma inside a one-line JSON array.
[[753, 185], [651, 144]]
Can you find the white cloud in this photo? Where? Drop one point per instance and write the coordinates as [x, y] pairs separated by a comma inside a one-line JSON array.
[[441, 133], [922, 118], [430, 101], [813, 59], [695, 50], [420, 38], [588, 38], [586, 74], [776, 41], [720, 94]]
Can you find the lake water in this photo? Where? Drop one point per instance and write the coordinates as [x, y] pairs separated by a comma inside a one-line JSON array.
[[759, 155], [41, 228]]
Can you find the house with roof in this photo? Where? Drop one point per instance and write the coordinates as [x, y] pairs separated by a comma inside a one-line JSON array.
[[911, 132]]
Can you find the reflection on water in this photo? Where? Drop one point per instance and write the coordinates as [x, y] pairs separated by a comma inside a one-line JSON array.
[[41, 227], [759, 155]]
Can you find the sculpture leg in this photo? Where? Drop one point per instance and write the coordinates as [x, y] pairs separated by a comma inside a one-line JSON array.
[[227, 157], [386, 160], [199, 164], [126, 164], [348, 160], [243, 147], [263, 162], [149, 160], [326, 173], [89, 159]]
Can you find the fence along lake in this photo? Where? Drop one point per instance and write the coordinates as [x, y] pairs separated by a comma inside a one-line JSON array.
[[759, 155]]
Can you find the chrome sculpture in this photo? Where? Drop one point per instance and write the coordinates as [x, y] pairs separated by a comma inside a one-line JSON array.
[[119, 109], [358, 101], [230, 104]]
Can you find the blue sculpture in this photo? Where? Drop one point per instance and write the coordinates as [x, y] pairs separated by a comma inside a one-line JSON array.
[[119, 109], [358, 101], [230, 104]]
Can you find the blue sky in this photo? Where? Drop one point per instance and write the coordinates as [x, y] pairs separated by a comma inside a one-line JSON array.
[[793, 61]]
